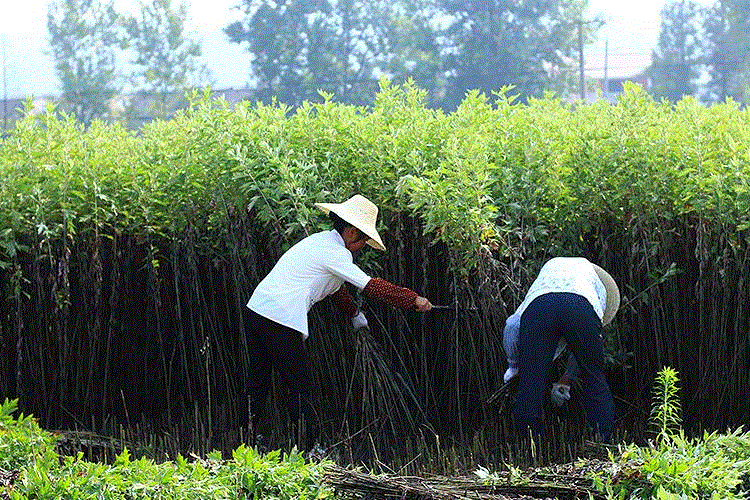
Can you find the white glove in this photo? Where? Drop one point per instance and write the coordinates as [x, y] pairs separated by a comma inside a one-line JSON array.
[[509, 374], [359, 321], [560, 394]]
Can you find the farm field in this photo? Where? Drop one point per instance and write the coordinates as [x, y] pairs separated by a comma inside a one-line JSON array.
[[126, 259]]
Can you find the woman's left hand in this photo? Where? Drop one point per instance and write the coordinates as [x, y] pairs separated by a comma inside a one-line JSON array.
[[422, 304]]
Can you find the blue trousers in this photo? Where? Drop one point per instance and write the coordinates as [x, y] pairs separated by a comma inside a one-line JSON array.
[[544, 321]]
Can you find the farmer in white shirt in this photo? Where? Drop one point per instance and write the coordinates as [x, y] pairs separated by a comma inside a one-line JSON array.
[[314, 268], [569, 302]]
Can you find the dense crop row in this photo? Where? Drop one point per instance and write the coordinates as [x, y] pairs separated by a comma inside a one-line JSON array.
[[479, 174]]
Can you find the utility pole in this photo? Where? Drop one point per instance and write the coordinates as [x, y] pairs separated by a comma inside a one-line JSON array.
[[581, 83], [723, 51], [5, 90], [606, 60], [348, 6]]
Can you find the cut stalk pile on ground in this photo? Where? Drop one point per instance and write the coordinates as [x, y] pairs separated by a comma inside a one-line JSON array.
[[562, 483]]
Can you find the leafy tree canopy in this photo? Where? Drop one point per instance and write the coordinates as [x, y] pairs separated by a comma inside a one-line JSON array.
[[85, 37], [677, 60]]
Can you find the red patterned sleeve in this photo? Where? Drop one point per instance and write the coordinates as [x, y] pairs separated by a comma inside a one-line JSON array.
[[345, 301], [388, 293]]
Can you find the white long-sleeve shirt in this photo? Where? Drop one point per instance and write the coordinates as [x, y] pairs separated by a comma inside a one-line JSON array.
[[311, 270]]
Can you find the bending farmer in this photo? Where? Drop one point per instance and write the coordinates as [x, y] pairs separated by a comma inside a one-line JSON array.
[[314, 268], [569, 302]]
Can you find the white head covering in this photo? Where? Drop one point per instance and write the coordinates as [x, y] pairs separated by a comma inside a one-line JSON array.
[[613, 294]]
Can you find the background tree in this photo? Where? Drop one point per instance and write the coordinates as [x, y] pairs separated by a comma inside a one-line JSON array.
[[728, 38], [413, 48], [445, 46], [286, 39], [166, 59], [493, 43], [85, 36], [300, 46], [677, 60], [363, 46]]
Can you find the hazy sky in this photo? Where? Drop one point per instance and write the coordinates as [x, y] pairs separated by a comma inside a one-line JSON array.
[[631, 32]]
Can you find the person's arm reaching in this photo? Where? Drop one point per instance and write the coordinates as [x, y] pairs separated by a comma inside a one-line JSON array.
[[382, 291], [510, 345], [344, 300], [396, 296]]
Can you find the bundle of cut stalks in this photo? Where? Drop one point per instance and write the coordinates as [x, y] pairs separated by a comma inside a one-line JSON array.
[[502, 397], [354, 484], [69, 443], [382, 395]]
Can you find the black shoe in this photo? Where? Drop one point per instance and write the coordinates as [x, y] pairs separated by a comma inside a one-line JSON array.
[[316, 453], [259, 443]]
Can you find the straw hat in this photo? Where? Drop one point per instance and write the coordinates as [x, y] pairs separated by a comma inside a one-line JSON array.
[[613, 295], [360, 213]]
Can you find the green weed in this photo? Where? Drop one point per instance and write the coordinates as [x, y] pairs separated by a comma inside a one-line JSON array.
[[675, 467], [29, 453]]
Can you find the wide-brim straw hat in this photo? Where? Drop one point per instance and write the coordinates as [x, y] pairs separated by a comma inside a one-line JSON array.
[[360, 213], [613, 295]]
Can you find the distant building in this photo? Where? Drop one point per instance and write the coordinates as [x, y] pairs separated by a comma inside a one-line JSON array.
[[140, 108], [611, 72], [134, 110], [11, 110]]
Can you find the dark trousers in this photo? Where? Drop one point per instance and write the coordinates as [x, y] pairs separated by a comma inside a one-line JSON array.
[[544, 321], [276, 346]]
